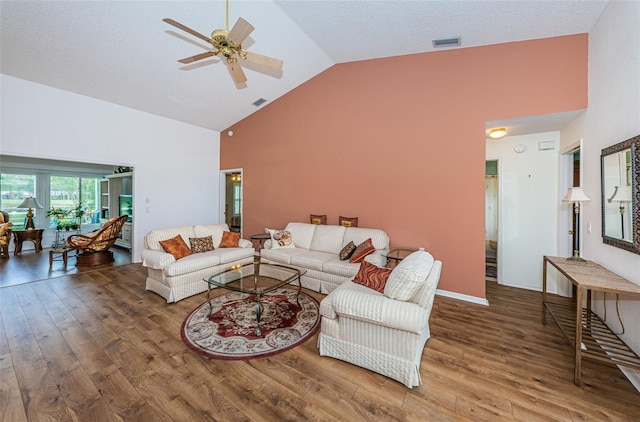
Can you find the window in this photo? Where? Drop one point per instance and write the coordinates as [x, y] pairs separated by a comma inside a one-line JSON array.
[[237, 198], [15, 188], [77, 197]]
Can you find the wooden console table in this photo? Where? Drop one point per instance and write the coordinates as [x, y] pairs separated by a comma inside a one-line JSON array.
[[587, 333]]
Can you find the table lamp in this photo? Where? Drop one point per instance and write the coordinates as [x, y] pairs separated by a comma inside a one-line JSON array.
[[576, 196], [30, 203], [622, 195]]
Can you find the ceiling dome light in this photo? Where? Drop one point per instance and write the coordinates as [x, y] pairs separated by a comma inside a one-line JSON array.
[[498, 133]]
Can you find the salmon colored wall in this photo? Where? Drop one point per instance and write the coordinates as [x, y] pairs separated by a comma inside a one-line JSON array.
[[400, 143]]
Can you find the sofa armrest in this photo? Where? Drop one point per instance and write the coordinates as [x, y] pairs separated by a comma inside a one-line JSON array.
[[380, 310], [244, 243], [156, 259]]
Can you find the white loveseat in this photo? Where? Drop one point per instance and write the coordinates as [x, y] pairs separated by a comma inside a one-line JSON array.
[[383, 332], [177, 279], [317, 248]]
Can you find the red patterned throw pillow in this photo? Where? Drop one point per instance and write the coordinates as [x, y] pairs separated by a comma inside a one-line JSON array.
[[372, 276], [363, 249], [229, 240], [176, 247]]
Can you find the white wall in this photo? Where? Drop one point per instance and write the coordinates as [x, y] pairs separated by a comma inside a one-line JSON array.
[[176, 165], [613, 116], [528, 211]]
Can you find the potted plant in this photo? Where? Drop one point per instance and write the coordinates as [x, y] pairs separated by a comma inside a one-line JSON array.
[[58, 213]]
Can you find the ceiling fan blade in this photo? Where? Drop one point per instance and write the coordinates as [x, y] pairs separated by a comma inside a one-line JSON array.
[[237, 73], [240, 31], [264, 60], [187, 29], [197, 57]]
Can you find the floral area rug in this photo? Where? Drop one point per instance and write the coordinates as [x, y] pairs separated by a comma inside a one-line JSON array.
[[230, 332]]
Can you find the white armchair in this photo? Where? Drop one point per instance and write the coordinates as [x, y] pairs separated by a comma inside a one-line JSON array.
[[383, 332]]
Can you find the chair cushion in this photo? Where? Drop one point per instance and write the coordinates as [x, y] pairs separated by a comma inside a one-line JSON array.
[[372, 276], [408, 276], [176, 247]]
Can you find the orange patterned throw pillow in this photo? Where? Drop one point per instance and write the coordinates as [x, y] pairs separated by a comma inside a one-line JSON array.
[[229, 240], [176, 247], [372, 276], [363, 249]]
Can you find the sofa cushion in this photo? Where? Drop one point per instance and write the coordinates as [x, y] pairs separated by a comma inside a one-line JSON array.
[[201, 244], [347, 251], [193, 262], [229, 240], [282, 255], [328, 239], [358, 235], [153, 238], [213, 230], [228, 255], [362, 250], [337, 267], [176, 247], [312, 259], [408, 276], [372, 276], [302, 234]]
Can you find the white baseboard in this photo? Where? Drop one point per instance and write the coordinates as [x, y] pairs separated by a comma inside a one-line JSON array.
[[466, 298]]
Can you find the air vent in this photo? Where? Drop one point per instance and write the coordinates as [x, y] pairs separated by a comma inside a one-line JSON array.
[[259, 102], [446, 42]]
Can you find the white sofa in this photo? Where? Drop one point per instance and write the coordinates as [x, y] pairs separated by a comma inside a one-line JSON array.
[[317, 248], [177, 279], [383, 332]]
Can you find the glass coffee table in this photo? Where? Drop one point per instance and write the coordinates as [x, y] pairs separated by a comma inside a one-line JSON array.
[[256, 280]]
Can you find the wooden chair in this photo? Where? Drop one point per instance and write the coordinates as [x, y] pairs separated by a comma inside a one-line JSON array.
[[5, 234], [93, 248]]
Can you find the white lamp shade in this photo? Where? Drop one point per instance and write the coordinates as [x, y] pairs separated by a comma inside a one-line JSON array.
[[575, 195], [621, 194], [30, 202]]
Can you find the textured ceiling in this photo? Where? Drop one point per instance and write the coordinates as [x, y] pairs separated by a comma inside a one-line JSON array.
[[122, 52]]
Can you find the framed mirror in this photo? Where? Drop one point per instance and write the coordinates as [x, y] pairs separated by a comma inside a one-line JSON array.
[[620, 177]]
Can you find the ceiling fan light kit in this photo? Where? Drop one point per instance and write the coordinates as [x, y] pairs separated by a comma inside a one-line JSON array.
[[229, 44]]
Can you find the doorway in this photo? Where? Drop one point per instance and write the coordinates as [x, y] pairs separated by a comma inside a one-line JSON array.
[[231, 198], [492, 207]]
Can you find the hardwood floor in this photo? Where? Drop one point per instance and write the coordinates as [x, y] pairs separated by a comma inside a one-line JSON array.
[[96, 346], [31, 266]]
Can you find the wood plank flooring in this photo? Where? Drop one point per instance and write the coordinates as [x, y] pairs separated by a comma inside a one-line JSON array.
[[96, 346]]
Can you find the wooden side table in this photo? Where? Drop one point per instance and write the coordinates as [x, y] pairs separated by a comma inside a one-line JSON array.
[[33, 235], [260, 237]]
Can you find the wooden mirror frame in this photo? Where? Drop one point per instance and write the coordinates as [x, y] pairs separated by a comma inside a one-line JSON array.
[[634, 244]]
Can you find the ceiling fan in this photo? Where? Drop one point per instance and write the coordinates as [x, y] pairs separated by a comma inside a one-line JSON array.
[[229, 44]]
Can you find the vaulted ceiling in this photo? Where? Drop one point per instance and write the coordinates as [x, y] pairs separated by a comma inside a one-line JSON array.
[[122, 52]]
